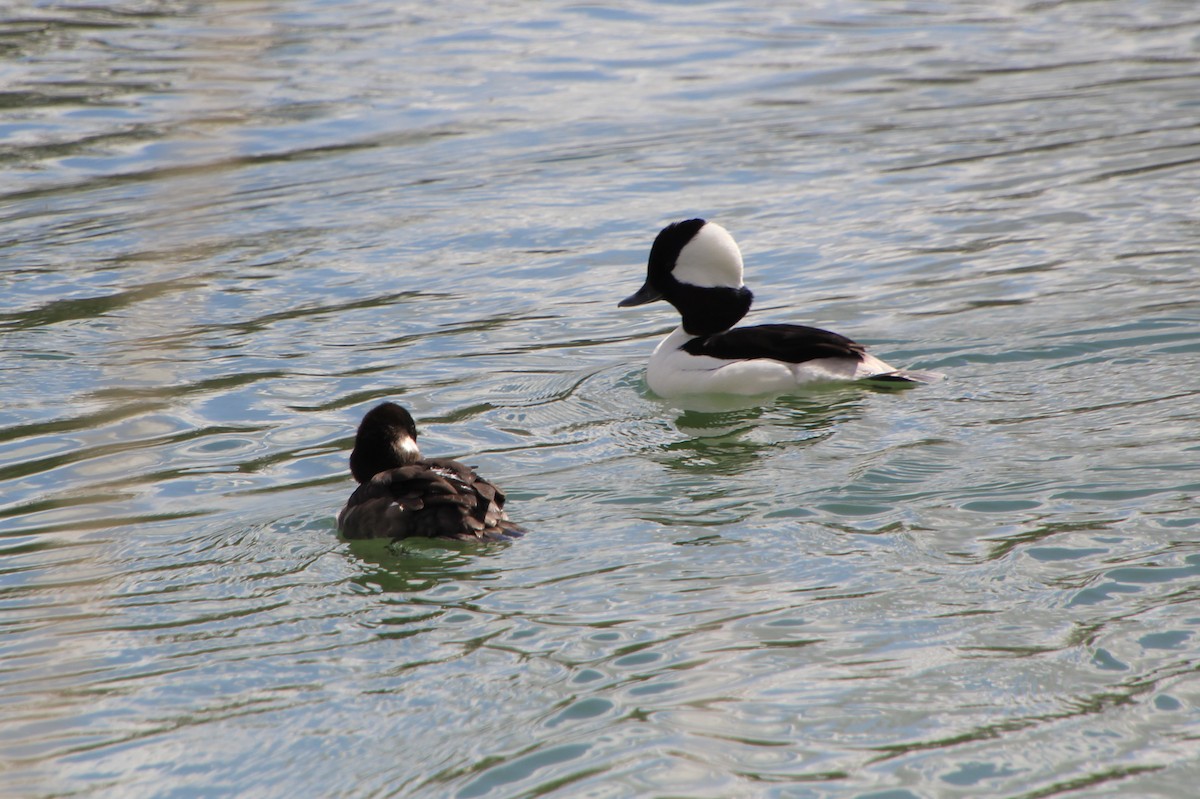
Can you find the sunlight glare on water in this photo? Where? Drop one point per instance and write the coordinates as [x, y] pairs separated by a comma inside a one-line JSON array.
[[228, 230]]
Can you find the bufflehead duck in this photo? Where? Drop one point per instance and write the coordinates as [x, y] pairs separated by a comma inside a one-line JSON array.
[[401, 495], [697, 267]]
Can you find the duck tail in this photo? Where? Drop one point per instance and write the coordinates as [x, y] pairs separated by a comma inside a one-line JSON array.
[[908, 376]]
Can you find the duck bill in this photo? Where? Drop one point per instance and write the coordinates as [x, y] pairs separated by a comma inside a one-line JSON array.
[[645, 294]]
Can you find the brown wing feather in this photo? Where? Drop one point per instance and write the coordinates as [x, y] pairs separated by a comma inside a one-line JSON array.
[[435, 498]]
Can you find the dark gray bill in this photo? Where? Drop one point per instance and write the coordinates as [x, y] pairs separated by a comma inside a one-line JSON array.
[[645, 294]]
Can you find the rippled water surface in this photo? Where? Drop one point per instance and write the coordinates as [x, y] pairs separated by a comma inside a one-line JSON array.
[[227, 229]]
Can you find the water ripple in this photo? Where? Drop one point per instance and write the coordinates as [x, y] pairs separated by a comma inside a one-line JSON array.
[[225, 235]]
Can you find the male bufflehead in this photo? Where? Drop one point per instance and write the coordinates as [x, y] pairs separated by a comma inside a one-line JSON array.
[[697, 267], [401, 495]]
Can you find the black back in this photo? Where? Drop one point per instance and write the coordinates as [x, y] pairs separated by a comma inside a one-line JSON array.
[[435, 498], [780, 342]]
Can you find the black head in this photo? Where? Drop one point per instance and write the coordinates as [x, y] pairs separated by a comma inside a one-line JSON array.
[[696, 266], [386, 439]]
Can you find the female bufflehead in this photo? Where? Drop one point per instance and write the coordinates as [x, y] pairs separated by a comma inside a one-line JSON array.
[[697, 267], [401, 495]]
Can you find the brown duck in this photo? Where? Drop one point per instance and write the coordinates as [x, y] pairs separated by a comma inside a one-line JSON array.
[[401, 495]]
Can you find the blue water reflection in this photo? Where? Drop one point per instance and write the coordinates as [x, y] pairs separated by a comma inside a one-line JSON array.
[[227, 230]]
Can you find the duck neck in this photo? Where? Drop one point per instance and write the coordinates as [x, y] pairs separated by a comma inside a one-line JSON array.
[[709, 310]]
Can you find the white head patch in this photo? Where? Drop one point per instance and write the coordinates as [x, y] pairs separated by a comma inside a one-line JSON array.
[[406, 447], [711, 258]]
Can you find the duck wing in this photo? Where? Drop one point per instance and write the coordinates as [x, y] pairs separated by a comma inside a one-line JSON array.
[[780, 342], [435, 498]]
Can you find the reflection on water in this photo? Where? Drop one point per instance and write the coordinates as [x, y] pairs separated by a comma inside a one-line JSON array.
[[415, 566], [226, 231], [735, 440]]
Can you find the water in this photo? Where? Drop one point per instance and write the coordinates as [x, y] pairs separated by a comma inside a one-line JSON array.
[[226, 230]]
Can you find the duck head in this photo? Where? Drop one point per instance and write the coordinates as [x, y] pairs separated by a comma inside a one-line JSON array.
[[697, 267], [386, 439]]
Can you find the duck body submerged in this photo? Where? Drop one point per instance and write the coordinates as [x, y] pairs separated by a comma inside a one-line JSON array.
[[402, 495], [697, 267]]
